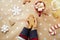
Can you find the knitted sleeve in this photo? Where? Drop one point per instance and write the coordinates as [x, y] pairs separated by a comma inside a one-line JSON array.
[[33, 35], [24, 34]]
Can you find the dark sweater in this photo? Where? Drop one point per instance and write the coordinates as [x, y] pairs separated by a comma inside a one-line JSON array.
[[28, 34]]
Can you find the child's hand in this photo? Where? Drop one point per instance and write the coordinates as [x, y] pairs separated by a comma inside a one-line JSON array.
[[32, 22], [35, 24]]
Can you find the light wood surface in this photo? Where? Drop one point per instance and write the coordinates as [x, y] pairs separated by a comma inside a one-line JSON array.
[[44, 22]]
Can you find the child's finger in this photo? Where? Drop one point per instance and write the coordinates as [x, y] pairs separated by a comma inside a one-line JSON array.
[[35, 22]]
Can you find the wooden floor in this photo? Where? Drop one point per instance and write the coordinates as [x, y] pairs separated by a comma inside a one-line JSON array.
[[44, 22]]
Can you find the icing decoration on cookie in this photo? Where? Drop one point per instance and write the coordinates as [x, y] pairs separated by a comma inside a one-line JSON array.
[[31, 20], [26, 1], [52, 29], [39, 7]]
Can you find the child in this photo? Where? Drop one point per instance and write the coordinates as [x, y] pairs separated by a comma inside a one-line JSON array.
[[30, 32]]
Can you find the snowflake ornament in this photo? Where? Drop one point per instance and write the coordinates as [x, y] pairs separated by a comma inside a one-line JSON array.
[[4, 28], [16, 10]]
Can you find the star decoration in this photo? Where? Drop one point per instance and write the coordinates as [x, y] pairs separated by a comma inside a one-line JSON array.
[[4, 28]]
